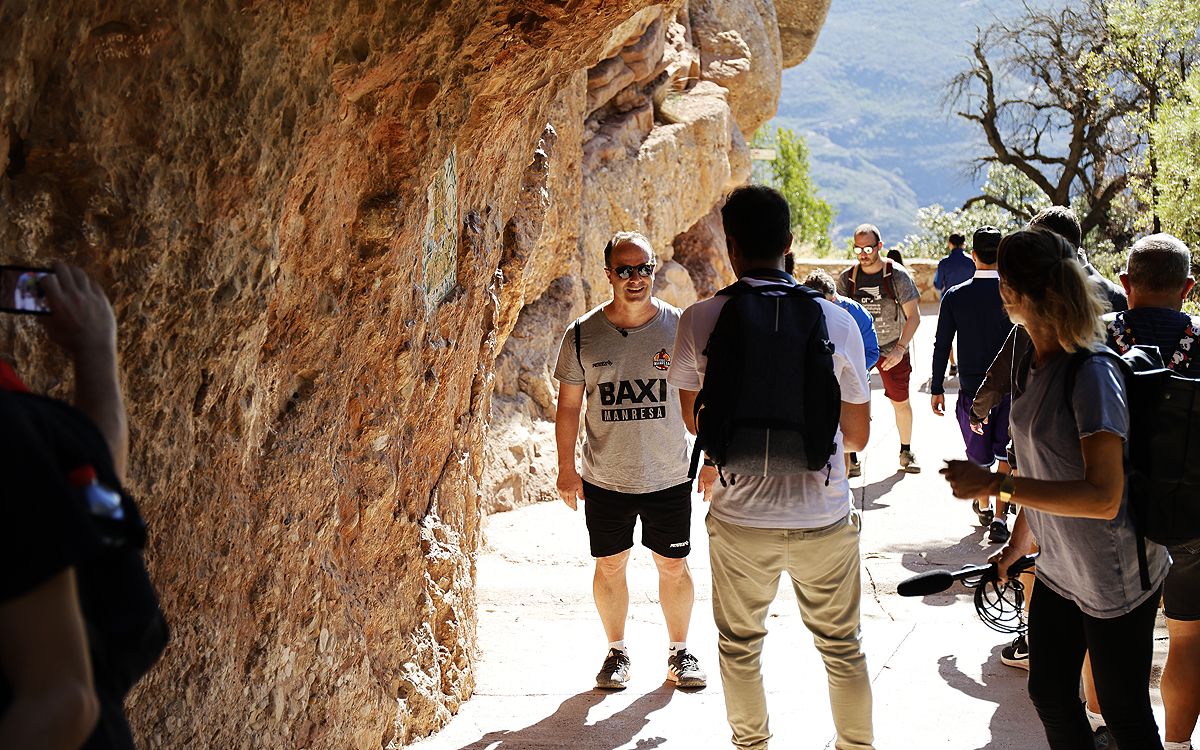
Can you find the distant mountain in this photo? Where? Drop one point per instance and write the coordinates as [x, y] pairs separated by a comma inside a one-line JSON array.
[[869, 101]]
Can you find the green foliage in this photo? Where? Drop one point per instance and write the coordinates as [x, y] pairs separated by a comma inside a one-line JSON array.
[[789, 173], [1151, 47], [1009, 200], [1176, 139]]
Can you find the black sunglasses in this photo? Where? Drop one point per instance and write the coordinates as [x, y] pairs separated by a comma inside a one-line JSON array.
[[645, 270]]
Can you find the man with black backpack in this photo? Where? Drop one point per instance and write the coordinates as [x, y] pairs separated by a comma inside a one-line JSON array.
[[634, 453], [79, 618], [1157, 277], [888, 292], [771, 381]]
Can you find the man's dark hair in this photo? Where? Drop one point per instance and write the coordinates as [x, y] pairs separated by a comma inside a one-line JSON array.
[[1159, 263], [822, 282], [757, 219], [956, 239], [1062, 221], [985, 242]]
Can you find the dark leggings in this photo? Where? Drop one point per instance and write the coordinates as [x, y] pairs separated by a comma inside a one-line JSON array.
[[1122, 649]]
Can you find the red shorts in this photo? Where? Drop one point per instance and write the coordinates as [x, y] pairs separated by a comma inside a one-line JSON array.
[[895, 380]]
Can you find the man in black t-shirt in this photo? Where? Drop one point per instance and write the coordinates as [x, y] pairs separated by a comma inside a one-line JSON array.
[[1157, 277], [62, 468]]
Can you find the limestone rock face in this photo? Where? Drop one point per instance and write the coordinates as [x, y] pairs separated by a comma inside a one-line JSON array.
[[800, 22], [343, 240], [740, 50]]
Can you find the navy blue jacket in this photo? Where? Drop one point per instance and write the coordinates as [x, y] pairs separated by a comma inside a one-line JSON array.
[[953, 270], [972, 311]]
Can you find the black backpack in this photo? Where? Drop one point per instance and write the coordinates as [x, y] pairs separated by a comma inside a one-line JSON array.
[[126, 629], [770, 404], [1163, 464]]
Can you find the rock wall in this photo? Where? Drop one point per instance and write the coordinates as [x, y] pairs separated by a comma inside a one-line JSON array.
[[320, 223]]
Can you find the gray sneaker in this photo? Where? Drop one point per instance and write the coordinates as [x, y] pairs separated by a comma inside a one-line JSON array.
[[684, 670], [615, 672], [908, 463], [854, 469]]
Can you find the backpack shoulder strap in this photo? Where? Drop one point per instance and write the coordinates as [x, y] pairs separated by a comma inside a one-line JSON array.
[[1185, 350], [1120, 332], [578, 349], [886, 287], [854, 280]]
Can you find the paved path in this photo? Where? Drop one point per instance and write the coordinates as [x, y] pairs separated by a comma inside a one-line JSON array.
[[938, 681]]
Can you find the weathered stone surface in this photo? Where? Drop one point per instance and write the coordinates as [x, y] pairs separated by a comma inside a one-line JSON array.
[[250, 182], [701, 250], [739, 49], [253, 183], [800, 22]]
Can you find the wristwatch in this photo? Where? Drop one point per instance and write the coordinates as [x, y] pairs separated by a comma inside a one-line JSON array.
[[1008, 485]]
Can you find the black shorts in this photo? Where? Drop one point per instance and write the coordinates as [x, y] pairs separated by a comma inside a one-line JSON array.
[[1181, 592], [666, 519]]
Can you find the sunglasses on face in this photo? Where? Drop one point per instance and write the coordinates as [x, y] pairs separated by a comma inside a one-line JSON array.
[[865, 248], [645, 270]]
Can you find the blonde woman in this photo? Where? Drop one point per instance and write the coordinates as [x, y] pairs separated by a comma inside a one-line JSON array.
[[1093, 593]]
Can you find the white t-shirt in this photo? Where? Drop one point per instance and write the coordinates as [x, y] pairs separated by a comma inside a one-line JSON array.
[[801, 501]]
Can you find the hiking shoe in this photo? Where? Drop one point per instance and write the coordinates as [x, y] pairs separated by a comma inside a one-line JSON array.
[[908, 463], [1102, 740], [615, 672], [684, 670], [985, 515], [1016, 654], [998, 531], [854, 469]]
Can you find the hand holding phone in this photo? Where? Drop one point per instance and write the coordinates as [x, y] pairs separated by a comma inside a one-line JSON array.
[[21, 290], [82, 320]]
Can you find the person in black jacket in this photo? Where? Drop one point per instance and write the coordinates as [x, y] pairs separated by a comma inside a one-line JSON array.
[[79, 620], [1157, 277], [1062, 221]]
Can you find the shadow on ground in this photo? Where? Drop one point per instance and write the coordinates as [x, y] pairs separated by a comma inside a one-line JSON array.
[[966, 551], [568, 727], [868, 495], [1003, 686]]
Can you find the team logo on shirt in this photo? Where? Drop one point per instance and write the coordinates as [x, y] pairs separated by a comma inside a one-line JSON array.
[[662, 360], [634, 400]]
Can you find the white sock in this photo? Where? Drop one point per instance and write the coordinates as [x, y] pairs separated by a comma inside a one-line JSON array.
[[620, 646], [1095, 720], [1185, 745], [677, 646]]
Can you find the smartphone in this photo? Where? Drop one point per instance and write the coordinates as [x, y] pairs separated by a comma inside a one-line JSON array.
[[21, 290]]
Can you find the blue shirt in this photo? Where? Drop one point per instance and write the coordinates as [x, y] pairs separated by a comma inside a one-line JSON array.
[[973, 312], [866, 326], [953, 270]]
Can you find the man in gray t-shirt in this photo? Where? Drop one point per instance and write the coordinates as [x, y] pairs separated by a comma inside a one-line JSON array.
[[888, 292], [635, 455]]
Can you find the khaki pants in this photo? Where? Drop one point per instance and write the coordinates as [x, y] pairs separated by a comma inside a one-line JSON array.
[[825, 571]]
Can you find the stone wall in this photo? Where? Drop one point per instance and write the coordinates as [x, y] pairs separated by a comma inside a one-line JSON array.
[[320, 223]]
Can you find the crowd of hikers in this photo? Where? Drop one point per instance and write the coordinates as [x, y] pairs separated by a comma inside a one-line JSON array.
[[1075, 401]]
